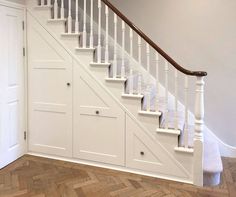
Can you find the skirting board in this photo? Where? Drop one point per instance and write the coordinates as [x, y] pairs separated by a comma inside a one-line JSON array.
[[110, 167]]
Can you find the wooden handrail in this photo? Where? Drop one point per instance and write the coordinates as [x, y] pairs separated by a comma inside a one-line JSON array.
[[149, 41]]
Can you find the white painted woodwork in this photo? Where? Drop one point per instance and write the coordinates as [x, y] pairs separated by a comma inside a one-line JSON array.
[[49, 2], [50, 93], [198, 136], [123, 50], [115, 47], [99, 47], [166, 94], [107, 35], [62, 8], [69, 19], [186, 112], [99, 141], [139, 50], [131, 81], [84, 25], [131, 41], [148, 98], [42, 2], [157, 81], [142, 152], [91, 25], [76, 17], [176, 99], [148, 57], [12, 108], [55, 9], [139, 84]]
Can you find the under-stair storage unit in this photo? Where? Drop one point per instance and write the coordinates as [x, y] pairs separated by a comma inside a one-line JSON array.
[[99, 123], [91, 101]]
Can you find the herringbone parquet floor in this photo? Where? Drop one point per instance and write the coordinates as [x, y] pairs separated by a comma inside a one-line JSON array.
[[40, 177]]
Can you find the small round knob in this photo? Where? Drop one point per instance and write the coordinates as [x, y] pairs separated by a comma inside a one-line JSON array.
[[142, 153], [68, 84], [97, 112]]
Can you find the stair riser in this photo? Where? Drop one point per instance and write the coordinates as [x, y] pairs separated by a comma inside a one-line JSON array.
[[57, 27], [86, 57]]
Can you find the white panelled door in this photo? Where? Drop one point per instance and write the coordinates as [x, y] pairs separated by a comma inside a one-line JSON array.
[[12, 143], [50, 93]]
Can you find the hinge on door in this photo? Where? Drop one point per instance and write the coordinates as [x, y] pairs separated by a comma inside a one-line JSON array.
[[23, 25], [24, 51], [24, 135]]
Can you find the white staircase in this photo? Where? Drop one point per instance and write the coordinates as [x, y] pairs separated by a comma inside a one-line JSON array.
[[158, 126]]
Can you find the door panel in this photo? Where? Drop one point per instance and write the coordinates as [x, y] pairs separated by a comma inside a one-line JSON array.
[[12, 143], [99, 123], [50, 95]]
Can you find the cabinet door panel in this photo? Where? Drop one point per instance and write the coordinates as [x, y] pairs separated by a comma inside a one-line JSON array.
[[98, 122]]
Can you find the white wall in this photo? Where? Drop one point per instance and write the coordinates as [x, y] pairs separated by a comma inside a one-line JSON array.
[[199, 35]]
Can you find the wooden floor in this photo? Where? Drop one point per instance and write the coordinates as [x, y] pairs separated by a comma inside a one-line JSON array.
[[39, 177]]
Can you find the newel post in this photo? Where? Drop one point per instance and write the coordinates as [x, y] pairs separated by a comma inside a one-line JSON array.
[[198, 136]]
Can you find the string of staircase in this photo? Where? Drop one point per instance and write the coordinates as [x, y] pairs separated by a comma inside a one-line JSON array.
[[174, 121]]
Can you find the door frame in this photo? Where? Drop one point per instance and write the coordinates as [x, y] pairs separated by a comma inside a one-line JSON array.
[[25, 64]]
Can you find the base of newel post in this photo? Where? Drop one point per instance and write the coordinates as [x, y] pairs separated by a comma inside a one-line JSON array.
[[198, 159]]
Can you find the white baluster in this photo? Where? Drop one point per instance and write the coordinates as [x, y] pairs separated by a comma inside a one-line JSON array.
[[107, 33], [131, 81], [48, 2], [84, 27], [91, 25], [115, 47], [69, 20], [139, 84], [157, 81], [123, 51], [55, 9], [148, 98], [198, 136], [176, 99], [42, 2], [166, 95], [99, 48], [186, 112], [62, 9], [131, 42], [139, 50], [148, 57], [76, 17]]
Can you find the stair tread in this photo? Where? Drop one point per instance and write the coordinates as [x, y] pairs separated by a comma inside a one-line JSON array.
[[139, 96], [57, 20], [71, 34]]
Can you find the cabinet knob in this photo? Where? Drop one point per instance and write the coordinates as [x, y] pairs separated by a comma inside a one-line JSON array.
[[97, 112], [142, 153], [68, 84]]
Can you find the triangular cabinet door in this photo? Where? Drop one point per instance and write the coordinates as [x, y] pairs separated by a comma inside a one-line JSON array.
[[145, 153]]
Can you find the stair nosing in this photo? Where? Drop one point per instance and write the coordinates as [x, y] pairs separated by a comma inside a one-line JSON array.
[[43, 7], [168, 131], [99, 64], [150, 113], [110, 79], [184, 150], [84, 49], [70, 34], [135, 96], [56, 20]]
